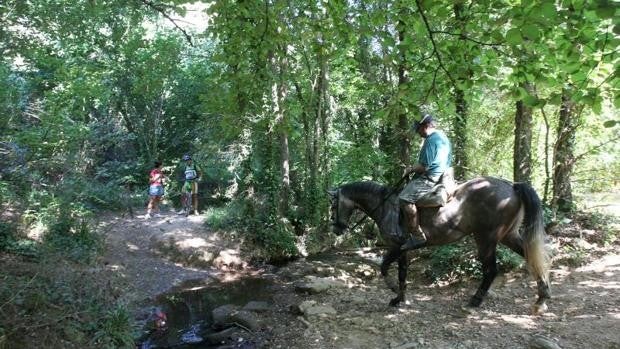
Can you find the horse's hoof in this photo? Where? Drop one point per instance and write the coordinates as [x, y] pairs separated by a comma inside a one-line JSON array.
[[395, 302], [475, 302], [467, 310], [539, 309]]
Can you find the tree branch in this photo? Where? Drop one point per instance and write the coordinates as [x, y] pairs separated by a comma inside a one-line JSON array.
[[589, 151], [432, 87], [430, 36], [466, 38], [161, 10]]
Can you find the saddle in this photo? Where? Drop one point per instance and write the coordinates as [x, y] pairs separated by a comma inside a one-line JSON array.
[[441, 193]]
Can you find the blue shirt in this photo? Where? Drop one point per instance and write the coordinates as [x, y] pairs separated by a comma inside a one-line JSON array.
[[436, 154]]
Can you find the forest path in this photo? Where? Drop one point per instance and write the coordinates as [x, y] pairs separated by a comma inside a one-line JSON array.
[[583, 313], [136, 247]]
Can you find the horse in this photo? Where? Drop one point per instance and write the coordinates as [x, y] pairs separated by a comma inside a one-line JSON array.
[[490, 209]]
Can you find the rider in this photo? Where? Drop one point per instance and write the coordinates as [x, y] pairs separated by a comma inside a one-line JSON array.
[[434, 159], [192, 174]]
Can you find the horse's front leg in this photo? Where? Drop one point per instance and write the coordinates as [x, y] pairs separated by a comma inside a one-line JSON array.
[[390, 256], [402, 280]]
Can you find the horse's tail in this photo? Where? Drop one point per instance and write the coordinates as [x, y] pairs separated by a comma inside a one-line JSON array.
[[536, 255]]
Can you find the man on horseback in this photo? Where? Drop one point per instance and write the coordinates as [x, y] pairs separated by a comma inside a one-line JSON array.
[[434, 160]]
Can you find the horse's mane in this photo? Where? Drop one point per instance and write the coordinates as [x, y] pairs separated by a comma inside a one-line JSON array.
[[365, 187]]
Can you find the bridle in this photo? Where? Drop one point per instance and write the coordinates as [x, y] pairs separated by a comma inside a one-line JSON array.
[[343, 226], [337, 223]]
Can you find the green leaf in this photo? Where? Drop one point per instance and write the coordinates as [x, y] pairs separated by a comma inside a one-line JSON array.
[[530, 31], [597, 106], [548, 10], [606, 9], [577, 4], [513, 37], [555, 99], [531, 101], [611, 123]]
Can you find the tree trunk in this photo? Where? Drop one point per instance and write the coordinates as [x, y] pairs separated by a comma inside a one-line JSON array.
[[278, 95], [403, 135], [324, 124], [522, 167], [564, 156], [460, 162], [460, 135]]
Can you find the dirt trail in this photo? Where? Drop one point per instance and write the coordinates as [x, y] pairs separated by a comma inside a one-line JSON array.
[[583, 313], [131, 249]]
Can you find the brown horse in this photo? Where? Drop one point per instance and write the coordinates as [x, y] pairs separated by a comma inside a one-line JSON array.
[[490, 209]]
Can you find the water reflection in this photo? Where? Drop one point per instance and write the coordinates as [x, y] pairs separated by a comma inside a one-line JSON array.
[[188, 308]]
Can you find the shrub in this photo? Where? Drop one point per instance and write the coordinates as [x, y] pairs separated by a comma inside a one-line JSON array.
[[115, 329], [73, 237], [459, 260], [278, 240]]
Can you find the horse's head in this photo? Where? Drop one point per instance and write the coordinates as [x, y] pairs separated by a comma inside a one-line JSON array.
[[341, 209]]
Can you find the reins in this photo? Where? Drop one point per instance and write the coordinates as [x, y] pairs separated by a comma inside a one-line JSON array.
[[394, 189]]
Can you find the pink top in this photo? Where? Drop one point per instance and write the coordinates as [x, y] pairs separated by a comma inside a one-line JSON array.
[[156, 176]]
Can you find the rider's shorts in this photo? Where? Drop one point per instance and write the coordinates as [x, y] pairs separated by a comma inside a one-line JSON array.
[[415, 189]]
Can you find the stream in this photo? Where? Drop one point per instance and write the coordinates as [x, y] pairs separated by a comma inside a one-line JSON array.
[[188, 311]]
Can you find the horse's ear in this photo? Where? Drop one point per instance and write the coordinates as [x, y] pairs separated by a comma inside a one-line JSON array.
[[332, 193]]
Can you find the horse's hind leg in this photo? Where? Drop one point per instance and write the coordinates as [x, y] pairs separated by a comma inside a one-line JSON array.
[[515, 243], [486, 255]]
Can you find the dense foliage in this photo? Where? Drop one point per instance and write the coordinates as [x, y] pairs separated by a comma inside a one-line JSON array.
[[278, 101]]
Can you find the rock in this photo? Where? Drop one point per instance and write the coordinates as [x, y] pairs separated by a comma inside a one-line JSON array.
[[222, 336], [320, 310], [227, 315], [246, 319], [365, 271], [406, 346], [314, 285], [229, 260], [542, 342], [303, 306], [222, 314], [255, 306], [324, 270], [356, 299], [310, 308], [583, 244]]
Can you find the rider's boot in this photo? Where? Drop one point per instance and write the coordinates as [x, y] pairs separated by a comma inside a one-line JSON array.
[[410, 220]]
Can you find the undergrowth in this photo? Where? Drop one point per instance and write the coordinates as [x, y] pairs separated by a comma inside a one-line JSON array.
[[459, 260], [52, 293], [55, 303]]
